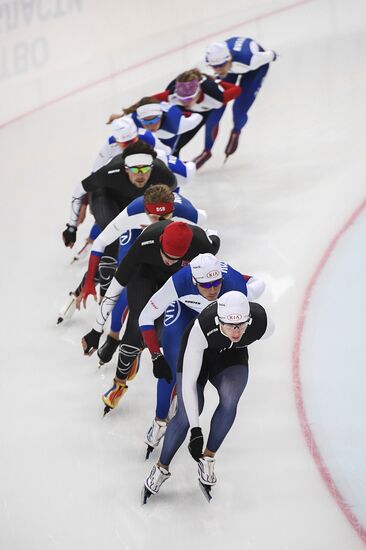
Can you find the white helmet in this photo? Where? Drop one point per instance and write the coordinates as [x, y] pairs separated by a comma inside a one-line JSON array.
[[233, 307], [124, 129], [205, 268], [217, 53]]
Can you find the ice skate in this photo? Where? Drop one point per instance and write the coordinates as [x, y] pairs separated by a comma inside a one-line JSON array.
[[232, 144], [154, 435], [153, 483], [112, 397], [206, 475], [106, 351], [202, 158], [68, 309]]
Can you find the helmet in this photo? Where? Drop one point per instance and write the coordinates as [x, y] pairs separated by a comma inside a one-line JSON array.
[[233, 308], [176, 239], [217, 53], [205, 268], [124, 129]]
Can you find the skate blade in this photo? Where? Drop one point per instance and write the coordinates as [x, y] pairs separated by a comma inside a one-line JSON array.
[[145, 495], [68, 310], [100, 364], [149, 450], [82, 253], [206, 491], [106, 410], [225, 159]]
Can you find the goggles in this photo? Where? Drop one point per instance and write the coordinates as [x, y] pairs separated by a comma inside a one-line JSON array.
[[186, 99], [186, 91], [210, 284], [235, 325], [139, 169], [147, 121]]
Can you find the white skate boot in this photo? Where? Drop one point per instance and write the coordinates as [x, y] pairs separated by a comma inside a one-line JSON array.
[[154, 435], [68, 309], [206, 475], [153, 483]]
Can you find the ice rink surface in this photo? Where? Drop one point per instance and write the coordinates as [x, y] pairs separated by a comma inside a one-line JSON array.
[[289, 208]]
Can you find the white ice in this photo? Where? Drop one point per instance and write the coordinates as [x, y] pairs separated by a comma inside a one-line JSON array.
[[70, 480]]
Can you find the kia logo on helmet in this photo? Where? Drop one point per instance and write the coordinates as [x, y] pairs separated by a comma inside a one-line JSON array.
[[213, 274], [234, 317]]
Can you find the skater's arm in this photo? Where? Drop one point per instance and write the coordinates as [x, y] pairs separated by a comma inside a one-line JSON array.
[[261, 58], [121, 223], [184, 171], [250, 59], [192, 363], [106, 153], [163, 174], [76, 203], [69, 234], [109, 301], [154, 142], [187, 123], [185, 211], [255, 287], [162, 96], [161, 146], [154, 308], [231, 91], [204, 240]]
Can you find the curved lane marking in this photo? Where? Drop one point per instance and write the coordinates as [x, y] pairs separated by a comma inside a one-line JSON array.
[[309, 437]]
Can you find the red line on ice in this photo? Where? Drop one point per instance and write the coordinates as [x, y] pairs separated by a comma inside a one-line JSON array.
[[309, 437], [144, 62]]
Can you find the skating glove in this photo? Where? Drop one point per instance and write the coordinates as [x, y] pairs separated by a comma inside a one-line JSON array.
[[88, 288], [195, 445], [161, 368], [90, 341], [69, 235]]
